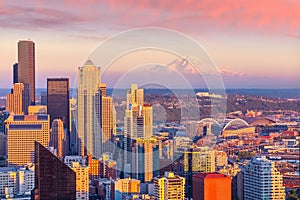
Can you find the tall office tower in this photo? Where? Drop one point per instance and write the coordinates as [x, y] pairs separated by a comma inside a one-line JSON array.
[[195, 160], [89, 110], [26, 66], [57, 137], [126, 186], [145, 159], [82, 181], [169, 186], [53, 178], [138, 117], [58, 103], [208, 186], [262, 180], [15, 73], [107, 124], [18, 101], [22, 131]]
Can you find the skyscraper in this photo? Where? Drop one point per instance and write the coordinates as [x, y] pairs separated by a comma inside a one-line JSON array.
[[262, 180], [57, 137], [58, 103], [22, 131], [145, 159], [53, 178], [18, 101], [26, 66], [89, 109], [107, 124], [138, 117], [169, 186], [208, 186]]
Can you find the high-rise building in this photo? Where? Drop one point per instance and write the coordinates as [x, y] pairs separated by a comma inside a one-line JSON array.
[[107, 124], [18, 101], [58, 102], [169, 186], [89, 110], [208, 186], [145, 159], [82, 181], [22, 131], [26, 66], [53, 178], [126, 186], [138, 117], [57, 137], [262, 180], [195, 160], [15, 73]]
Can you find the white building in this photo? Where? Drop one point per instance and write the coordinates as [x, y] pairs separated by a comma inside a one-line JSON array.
[[8, 181], [262, 180], [25, 180]]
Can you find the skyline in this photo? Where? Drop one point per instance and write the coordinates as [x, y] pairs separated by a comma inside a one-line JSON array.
[[241, 39]]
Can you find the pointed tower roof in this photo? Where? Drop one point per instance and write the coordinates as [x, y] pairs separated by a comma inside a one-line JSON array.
[[89, 62]]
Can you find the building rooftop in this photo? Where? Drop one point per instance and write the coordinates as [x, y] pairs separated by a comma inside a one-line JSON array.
[[210, 175]]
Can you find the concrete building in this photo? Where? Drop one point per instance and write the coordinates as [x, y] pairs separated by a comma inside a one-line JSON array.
[[126, 186], [262, 180], [8, 181], [22, 131], [221, 159], [169, 186], [82, 181], [25, 178]]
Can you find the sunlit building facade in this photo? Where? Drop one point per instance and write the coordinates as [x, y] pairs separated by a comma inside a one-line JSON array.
[[57, 137], [82, 181], [22, 131], [169, 186], [262, 180], [18, 101], [89, 115], [26, 66]]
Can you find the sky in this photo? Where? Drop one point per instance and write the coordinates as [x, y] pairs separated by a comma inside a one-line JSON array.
[[254, 44]]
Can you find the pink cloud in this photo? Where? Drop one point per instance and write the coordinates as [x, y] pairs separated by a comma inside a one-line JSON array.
[[271, 16]]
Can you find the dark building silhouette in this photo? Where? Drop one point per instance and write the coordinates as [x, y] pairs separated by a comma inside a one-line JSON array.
[[53, 178], [58, 103], [15, 73]]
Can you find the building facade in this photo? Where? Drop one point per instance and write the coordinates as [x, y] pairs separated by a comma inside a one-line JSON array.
[[26, 66], [262, 180], [208, 186], [169, 186], [18, 101], [53, 178], [22, 131]]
